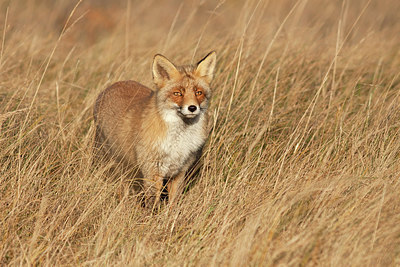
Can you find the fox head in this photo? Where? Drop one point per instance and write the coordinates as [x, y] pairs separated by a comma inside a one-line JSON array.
[[183, 91]]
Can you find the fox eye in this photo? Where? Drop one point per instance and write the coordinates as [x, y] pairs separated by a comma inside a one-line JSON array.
[[177, 93], [199, 92]]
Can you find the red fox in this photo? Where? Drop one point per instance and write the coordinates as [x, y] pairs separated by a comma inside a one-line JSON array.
[[160, 132]]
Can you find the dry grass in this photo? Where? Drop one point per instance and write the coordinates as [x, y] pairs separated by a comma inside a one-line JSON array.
[[302, 165]]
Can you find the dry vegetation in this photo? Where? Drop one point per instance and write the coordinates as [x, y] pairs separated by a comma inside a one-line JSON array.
[[302, 165]]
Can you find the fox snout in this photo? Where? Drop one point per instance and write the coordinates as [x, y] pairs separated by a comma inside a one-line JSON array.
[[192, 108], [190, 111]]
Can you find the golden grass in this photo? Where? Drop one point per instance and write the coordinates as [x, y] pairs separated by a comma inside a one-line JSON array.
[[302, 164]]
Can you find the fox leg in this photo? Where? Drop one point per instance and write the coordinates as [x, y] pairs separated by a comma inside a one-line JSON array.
[[153, 191], [175, 187]]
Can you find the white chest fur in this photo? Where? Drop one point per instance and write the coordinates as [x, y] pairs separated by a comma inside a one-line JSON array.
[[181, 143]]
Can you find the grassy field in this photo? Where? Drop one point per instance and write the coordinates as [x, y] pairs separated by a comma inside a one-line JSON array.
[[302, 165]]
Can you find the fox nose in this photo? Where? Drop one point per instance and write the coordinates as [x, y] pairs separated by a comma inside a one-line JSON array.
[[192, 108]]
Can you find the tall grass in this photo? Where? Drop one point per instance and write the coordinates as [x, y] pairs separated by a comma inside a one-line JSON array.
[[301, 166]]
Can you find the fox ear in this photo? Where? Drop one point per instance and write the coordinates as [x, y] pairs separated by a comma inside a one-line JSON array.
[[205, 67], [163, 70]]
